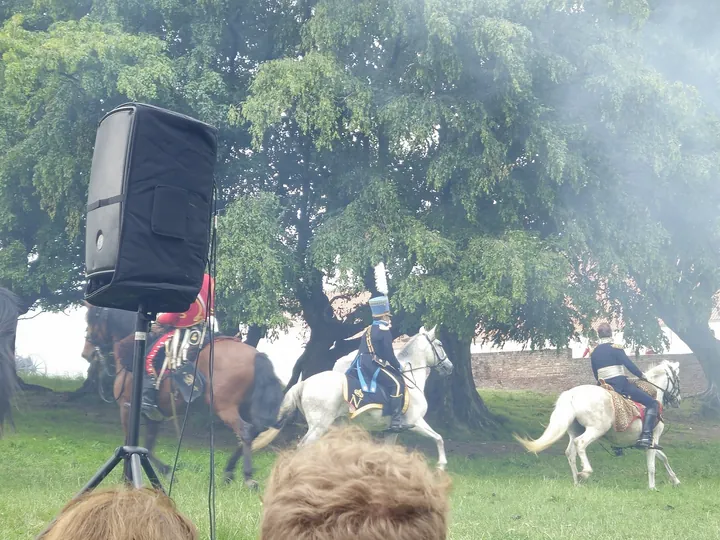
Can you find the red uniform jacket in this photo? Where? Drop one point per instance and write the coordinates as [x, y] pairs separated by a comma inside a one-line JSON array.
[[197, 311]]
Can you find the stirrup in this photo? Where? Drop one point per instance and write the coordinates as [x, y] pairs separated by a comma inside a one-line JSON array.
[[643, 444], [399, 428]]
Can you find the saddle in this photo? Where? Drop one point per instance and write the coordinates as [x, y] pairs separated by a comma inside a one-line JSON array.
[[362, 397], [625, 410]]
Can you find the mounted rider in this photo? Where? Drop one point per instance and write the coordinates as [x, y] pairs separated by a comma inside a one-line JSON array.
[[189, 330], [376, 356], [608, 361]]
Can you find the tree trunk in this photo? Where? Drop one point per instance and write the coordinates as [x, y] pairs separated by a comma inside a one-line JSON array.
[[90, 386], [455, 401], [255, 334], [328, 334], [706, 349], [315, 358], [697, 335]]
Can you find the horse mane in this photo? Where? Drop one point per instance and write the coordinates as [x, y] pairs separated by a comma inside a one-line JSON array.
[[118, 321], [654, 369], [407, 351]]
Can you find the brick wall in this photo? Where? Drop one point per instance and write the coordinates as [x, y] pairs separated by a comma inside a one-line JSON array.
[[553, 371]]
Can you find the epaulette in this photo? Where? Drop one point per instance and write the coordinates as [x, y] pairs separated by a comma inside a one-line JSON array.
[[618, 346], [384, 326]]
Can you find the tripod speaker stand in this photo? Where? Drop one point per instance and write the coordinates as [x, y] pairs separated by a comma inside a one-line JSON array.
[[135, 457], [150, 200]]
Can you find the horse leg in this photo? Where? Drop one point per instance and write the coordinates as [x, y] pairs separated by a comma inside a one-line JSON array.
[[581, 443], [122, 398], [151, 433], [571, 454], [125, 417], [421, 427], [663, 458], [650, 456], [244, 433], [391, 438], [673, 477]]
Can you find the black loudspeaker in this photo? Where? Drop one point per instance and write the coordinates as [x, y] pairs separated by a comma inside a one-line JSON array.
[[149, 209]]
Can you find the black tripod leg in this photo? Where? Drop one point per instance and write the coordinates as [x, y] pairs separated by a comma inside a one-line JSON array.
[[103, 472], [136, 471], [147, 467]]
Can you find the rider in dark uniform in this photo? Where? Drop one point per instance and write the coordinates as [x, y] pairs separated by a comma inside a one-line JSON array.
[[378, 357], [607, 364]]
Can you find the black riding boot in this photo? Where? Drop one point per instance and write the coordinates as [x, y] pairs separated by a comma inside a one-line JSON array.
[[397, 422], [149, 399], [646, 437]]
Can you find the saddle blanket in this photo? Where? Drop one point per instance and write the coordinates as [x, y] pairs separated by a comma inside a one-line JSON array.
[[626, 411], [361, 401]]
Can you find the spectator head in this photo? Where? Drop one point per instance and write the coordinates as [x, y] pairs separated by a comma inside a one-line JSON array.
[[346, 486], [121, 514], [604, 331]]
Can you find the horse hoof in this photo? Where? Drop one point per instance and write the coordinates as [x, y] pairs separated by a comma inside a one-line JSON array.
[[583, 476], [252, 485], [228, 478], [441, 466]]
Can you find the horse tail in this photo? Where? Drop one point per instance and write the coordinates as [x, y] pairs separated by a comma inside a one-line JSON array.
[[560, 421], [9, 313], [267, 394], [289, 406]]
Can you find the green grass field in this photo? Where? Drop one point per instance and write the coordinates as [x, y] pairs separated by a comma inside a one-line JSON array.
[[499, 492]]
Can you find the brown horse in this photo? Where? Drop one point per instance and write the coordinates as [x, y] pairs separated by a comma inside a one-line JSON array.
[[243, 379]]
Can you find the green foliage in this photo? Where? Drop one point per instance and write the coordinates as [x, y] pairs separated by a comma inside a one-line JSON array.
[[527, 165], [254, 268], [521, 166], [315, 90], [54, 87]]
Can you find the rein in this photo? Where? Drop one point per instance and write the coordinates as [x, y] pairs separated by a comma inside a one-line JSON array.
[[102, 356], [669, 398], [413, 382]]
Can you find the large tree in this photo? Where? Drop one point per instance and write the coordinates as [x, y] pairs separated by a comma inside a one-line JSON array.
[[464, 160], [64, 66]]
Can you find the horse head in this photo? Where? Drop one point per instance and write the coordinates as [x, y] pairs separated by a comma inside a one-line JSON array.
[[666, 378], [98, 331], [105, 327], [435, 355]]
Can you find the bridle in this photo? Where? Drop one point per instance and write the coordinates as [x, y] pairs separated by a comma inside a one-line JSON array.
[[671, 398], [438, 357], [103, 354]]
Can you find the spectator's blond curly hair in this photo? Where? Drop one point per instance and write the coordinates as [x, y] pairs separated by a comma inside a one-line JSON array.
[[121, 514], [345, 486]]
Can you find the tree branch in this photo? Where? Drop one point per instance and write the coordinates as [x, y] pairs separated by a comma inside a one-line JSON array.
[[31, 317], [344, 347]]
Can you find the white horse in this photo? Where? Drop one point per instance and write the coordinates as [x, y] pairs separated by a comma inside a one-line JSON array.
[[320, 397], [586, 414]]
